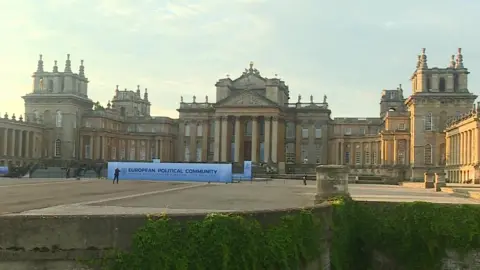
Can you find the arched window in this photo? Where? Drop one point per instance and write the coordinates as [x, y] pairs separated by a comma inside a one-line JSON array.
[[428, 154], [58, 119], [58, 147], [428, 121], [441, 85]]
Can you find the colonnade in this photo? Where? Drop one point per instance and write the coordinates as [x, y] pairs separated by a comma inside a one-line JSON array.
[[222, 138], [18, 143], [103, 147], [360, 152], [462, 155]]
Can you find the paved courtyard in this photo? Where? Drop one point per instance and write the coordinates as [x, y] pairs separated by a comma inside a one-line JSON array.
[[89, 197]]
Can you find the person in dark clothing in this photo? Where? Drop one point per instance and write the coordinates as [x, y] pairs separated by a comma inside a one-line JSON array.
[[305, 179], [115, 175]]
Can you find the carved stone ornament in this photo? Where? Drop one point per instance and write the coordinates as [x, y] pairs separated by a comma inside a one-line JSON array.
[[246, 100]]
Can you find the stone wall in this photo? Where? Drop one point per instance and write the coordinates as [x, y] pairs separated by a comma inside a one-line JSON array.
[[61, 242]]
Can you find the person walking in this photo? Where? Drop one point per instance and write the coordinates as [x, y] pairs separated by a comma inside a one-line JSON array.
[[115, 175], [305, 179]]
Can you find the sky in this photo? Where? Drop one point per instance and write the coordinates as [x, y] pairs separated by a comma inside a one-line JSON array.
[[348, 50]]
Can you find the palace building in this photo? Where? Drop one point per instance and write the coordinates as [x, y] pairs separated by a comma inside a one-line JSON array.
[[254, 118]]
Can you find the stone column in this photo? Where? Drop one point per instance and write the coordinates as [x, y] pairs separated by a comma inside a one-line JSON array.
[[447, 150], [395, 151], [267, 140], [5, 142], [205, 138], [97, 147], [157, 150], [27, 145], [382, 152], [342, 153], [462, 147], [91, 147], [225, 140], [103, 145], [298, 143], [217, 139], [20, 143], [14, 138], [82, 148], [255, 139], [193, 141], [275, 139], [34, 146], [238, 139]]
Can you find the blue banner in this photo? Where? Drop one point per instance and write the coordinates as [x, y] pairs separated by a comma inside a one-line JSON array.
[[3, 170], [247, 172], [194, 172]]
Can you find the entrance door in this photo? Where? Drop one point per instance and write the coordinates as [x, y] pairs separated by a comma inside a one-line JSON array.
[[247, 150]]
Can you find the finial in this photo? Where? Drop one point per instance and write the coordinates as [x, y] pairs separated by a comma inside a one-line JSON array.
[[138, 87], [13, 117], [299, 98], [81, 71], [146, 90], [5, 116], [145, 95], [181, 99], [423, 60], [311, 98], [276, 75], [206, 99], [251, 65], [116, 89], [452, 61], [324, 98], [40, 64], [20, 118], [194, 99], [55, 67], [68, 64], [459, 60]]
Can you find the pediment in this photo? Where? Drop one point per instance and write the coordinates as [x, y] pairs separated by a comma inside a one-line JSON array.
[[245, 99], [249, 81]]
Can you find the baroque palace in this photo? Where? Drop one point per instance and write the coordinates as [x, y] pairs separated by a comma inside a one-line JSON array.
[[435, 129]]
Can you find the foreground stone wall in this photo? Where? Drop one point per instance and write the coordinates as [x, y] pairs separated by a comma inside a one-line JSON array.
[[61, 242]]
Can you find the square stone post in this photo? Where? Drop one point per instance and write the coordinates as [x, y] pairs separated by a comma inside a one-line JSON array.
[[267, 140], [439, 181], [255, 139], [427, 179]]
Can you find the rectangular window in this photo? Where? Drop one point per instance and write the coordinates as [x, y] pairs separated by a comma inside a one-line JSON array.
[[187, 130], [304, 133], [212, 129], [290, 130], [348, 131], [362, 131], [367, 157], [318, 133], [304, 153], [401, 126], [374, 157], [428, 122], [347, 157]]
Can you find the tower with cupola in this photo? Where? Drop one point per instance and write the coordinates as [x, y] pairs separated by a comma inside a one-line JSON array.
[[58, 100], [437, 94]]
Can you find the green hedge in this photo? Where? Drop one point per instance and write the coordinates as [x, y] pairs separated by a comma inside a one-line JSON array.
[[223, 242], [415, 235]]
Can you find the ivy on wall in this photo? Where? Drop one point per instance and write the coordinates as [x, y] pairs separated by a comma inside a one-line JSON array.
[[223, 242], [414, 235]]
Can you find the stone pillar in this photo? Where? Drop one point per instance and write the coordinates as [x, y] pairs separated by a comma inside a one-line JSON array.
[[439, 181], [217, 139], [255, 139], [225, 140], [5, 142], [238, 139], [447, 150], [20, 143], [275, 140], [267, 141], [298, 143], [157, 150], [327, 188], [82, 148], [205, 138], [342, 153], [97, 147], [27, 145], [193, 141], [395, 151], [382, 152], [91, 147], [14, 138], [427, 180], [103, 146]]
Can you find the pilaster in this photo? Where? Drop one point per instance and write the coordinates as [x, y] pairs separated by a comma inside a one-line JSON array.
[[275, 139], [224, 140], [217, 139], [267, 143], [255, 139]]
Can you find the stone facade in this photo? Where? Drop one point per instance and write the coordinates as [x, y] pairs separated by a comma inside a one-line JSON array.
[[462, 151], [252, 118]]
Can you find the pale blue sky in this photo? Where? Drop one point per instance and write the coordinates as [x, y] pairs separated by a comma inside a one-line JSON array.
[[347, 49]]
